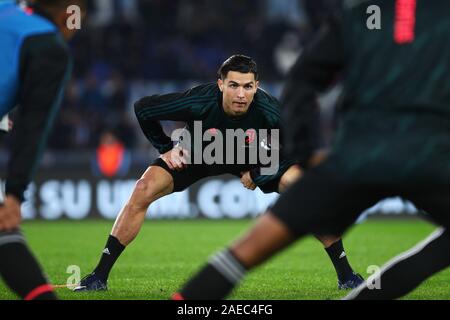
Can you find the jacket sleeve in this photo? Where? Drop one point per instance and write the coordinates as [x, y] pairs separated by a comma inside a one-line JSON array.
[[173, 107], [45, 69], [314, 71], [271, 109]]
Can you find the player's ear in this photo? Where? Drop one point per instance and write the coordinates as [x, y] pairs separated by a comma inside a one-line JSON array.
[[220, 84], [256, 85]]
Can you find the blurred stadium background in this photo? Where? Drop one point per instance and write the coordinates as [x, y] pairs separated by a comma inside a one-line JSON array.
[[131, 48], [128, 49]]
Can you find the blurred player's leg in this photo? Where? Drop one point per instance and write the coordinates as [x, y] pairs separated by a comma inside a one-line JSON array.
[[155, 183], [28, 281], [408, 270], [226, 269], [347, 278], [325, 203]]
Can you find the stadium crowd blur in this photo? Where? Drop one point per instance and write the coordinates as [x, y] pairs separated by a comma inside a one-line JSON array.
[[131, 48]]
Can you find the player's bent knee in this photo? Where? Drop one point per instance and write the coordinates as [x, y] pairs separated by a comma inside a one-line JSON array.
[[142, 196], [154, 184], [142, 185], [145, 188], [152, 187]]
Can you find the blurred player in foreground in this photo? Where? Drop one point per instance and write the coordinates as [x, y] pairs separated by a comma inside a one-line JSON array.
[[394, 140], [34, 68]]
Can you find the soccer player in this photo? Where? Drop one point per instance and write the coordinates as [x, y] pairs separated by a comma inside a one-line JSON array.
[[394, 140], [34, 68], [234, 102]]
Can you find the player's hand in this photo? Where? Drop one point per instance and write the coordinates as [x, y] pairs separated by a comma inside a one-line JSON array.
[[317, 158], [10, 216], [247, 181], [176, 159]]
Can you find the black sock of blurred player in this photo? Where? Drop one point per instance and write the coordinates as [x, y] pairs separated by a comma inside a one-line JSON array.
[[225, 271], [408, 270], [112, 251], [28, 282], [337, 255], [216, 280]]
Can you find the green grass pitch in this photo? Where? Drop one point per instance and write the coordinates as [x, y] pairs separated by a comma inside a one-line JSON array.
[[167, 252]]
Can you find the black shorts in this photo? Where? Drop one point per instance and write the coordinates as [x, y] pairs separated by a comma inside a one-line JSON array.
[[184, 178], [326, 201]]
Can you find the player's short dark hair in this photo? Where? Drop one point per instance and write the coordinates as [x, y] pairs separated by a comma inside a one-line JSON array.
[[238, 63]]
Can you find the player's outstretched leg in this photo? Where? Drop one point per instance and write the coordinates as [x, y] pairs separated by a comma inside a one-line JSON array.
[[29, 283], [155, 183], [408, 270], [347, 278]]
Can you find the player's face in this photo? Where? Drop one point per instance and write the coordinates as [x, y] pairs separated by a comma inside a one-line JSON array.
[[238, 91]]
